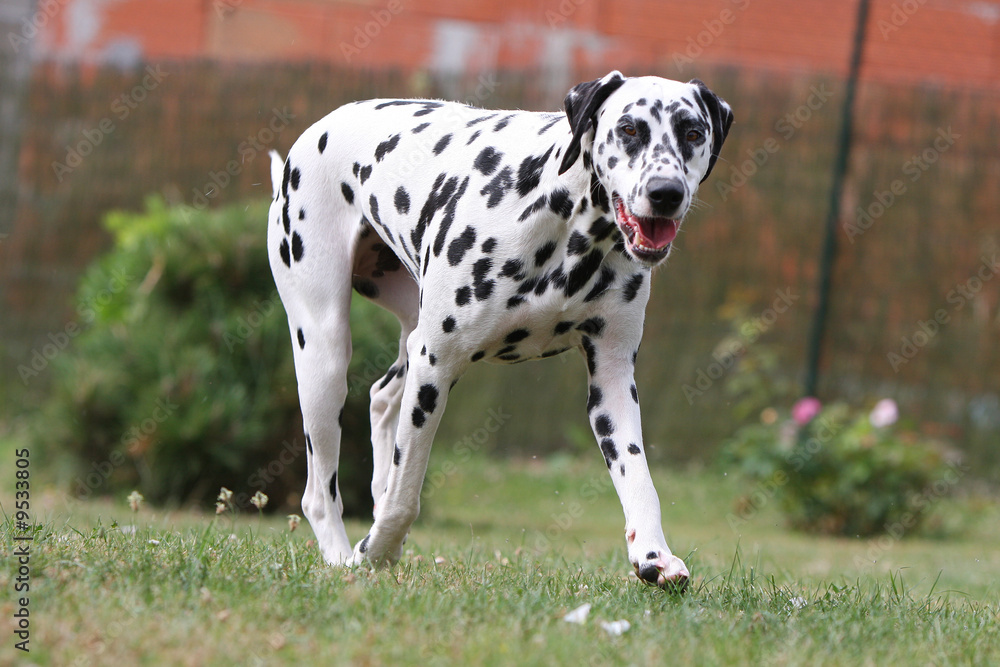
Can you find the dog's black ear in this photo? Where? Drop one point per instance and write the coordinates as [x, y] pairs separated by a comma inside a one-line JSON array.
[[719, 114], [582, 104]]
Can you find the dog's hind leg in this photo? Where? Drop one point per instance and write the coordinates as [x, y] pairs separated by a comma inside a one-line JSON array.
[[380, 277], [311, 241]]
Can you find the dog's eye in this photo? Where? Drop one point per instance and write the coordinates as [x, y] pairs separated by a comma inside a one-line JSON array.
[[629, 130], [693, 135]]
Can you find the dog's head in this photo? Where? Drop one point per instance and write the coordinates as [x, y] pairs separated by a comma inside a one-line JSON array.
[[650, 143]]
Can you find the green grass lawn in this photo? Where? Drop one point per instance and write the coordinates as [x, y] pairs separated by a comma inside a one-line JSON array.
[[501, 552]]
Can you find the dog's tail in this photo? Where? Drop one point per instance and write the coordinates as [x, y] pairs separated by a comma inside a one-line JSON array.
[[276, 164]]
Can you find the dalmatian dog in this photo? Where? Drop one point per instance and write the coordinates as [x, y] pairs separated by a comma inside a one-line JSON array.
[[494, 236]]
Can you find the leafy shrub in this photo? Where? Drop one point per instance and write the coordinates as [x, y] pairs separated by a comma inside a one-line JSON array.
[[840, 472], [833, 470], [182, 378]]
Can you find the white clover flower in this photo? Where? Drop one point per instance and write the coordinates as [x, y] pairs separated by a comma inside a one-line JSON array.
[[259, 500], [135, 500]]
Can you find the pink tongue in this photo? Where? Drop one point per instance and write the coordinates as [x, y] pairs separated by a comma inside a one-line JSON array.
[[657, 233]]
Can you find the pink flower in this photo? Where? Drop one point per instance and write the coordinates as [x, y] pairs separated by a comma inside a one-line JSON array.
[[885, 413], [805, 409]]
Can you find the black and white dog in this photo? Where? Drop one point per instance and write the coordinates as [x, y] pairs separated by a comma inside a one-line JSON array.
[[495, 236]]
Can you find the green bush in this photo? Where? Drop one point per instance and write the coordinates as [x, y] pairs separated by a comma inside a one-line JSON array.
[[840, 472], [182, 378], [832, 470]]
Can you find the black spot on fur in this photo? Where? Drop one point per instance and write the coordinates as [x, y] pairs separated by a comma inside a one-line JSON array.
[[591, 354], [427, 397], [460, 245], [478, 355], [373, 205], [578, 244], [309, 443], [441, 144], [582, 271], [420, 128], [475, 135], [487, 161], [297, 248], [498, 187], [322, 142], [601, 229], [333, 486], [604, 425], [533, 207], [396, 454], [365, 288], [301, 338], [431, 359], [514, 302], [594, 398], [356, 169], [560, 202], [365, 172], [302, 214], [529, 174], [593, 326], [511, 268], [386, 147], [476, 121], [448, 325], [391, 373], [609, 450], [363, 547], [602, 285], [516, 336], [632, 287], [549, 125], [544, 253], [294, 180], [402, 200], [463, 295], [634, 449], [563, 327], [489, 244], [284, 252], [635, 393], [418, 417]]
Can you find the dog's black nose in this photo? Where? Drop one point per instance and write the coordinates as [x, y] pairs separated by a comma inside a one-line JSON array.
[[665, 195]]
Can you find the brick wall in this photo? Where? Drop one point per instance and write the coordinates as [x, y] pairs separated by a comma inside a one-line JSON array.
[[956, 42]]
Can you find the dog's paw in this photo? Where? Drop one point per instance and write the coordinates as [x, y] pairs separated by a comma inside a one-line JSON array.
[[663, 569], [375, 553]]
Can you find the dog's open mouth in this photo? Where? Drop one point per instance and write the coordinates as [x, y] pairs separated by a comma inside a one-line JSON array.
[[649, 238]]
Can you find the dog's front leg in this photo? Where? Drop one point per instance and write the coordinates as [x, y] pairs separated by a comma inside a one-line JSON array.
[[613, 408], [428, 380]]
